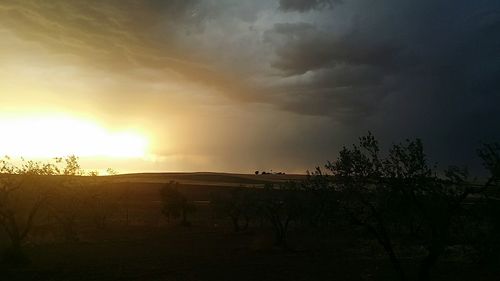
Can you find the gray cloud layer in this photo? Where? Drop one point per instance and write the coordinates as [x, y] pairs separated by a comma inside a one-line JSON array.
[[305, 5]]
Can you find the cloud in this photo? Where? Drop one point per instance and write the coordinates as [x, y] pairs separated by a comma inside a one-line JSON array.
[[306, 5], [342, 76], [403, 68], [383, 55], [306, 48]]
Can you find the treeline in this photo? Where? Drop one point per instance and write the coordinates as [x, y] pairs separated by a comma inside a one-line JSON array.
[[397, 199]]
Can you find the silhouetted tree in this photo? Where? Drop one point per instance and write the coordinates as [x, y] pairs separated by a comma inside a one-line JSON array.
[[69, 198], [399, 198], [239, 204], [102, 200], [484, 226], [282, 204], [23, 192], [175, 204], [323, 200]]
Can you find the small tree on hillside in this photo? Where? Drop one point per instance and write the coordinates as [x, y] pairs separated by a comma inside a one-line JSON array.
[[240, 204], [175, 204], [282, 205], [103, 202]]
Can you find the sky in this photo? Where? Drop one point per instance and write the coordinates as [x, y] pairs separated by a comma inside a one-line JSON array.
[[239, 86]]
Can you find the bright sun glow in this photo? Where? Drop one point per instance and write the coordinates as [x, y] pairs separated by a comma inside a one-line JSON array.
[[62, 136]]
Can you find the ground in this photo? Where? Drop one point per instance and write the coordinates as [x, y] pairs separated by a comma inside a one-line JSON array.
[[145, 246]]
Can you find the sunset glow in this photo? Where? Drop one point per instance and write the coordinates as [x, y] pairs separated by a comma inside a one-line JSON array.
[[253, 140], [60, 136]]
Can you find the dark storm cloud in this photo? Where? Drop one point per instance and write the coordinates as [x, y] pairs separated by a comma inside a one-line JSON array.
[[445, 52], [341, 76], [424, 69], [306, 5], [307, 49]]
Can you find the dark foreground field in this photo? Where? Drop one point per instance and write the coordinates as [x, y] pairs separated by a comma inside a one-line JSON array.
[[176, 253], [138, 243]]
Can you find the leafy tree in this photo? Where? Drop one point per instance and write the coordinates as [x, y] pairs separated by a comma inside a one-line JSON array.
[[175, 204], [282, 205], [23, 192], [101, 199], [239, 204], [102, 203], [365, 201], [399, 199], [322, 201], [484, 225], [69, 198]]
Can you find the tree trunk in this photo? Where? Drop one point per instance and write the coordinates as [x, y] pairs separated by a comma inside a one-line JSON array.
[[280, 239], [385, 241], [396, 264], [184, 218], [236, 225], [247, 222], [68, 227], [424, 273], [280, 235], [127, 218], [14, 253]]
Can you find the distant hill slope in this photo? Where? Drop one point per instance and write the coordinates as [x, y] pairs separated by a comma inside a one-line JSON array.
[[207, 178]]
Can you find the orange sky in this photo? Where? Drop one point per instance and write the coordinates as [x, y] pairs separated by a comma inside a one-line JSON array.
[[97, 70]]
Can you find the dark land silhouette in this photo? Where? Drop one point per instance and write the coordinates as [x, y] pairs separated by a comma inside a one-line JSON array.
[[366, 215]]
